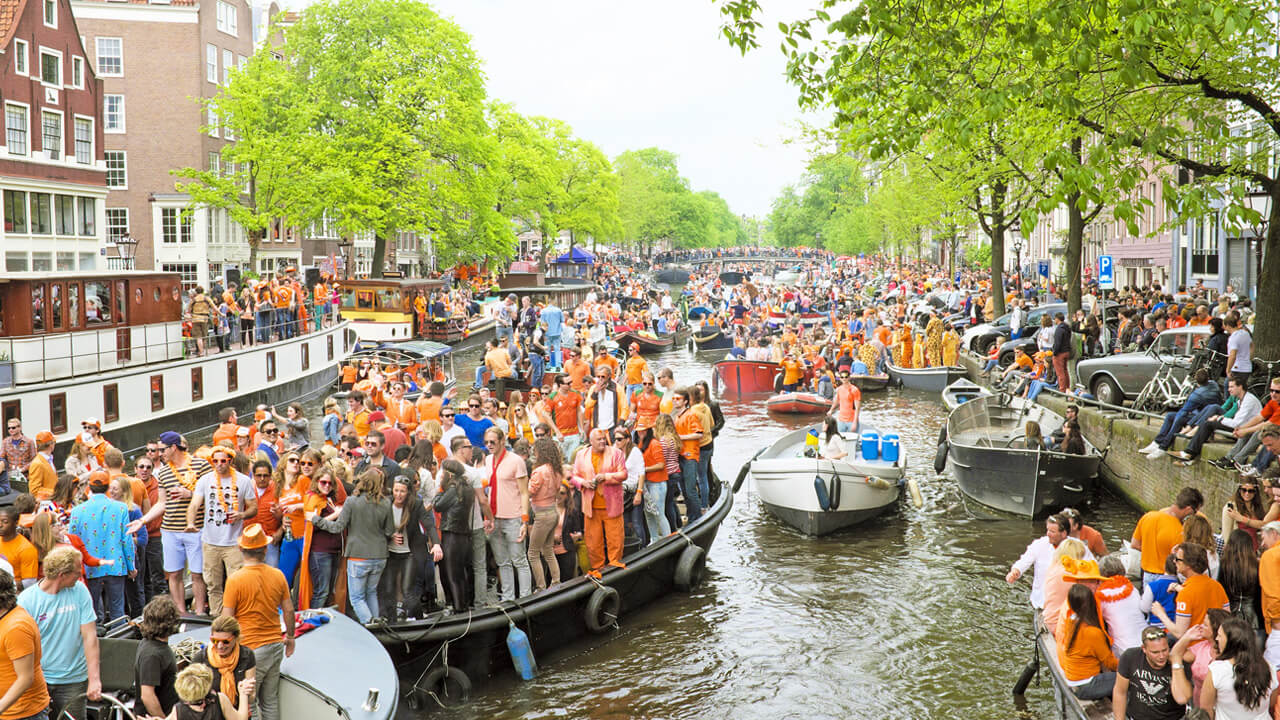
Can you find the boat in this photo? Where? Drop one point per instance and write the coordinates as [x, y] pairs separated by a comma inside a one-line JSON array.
[[381, 309], [870, 383], [798, 402], [428, 355], [807, 319], [984, 439], [312, 685], [741, 377], [931, 379], [460, 331], [732, 277], [648, 342], [856, 488], [962, 391], [111, 345], [473, 644], [1065, 702], [709, 340], [673, 275]]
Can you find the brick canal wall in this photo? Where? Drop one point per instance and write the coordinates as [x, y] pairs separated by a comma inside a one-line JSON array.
[[1145, 484]]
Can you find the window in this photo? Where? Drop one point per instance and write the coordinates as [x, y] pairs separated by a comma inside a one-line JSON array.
[[64, 207], [189, 272], [88, 261], [117, 169], [38, 309], [197, 384], [20, 56], [157, 393], [15, 261], [41, 210], [271, 365], [97, 303], [124, 344], [306, 356], [215, 162], [51, 134], [227, 18], [50, 68], [117, 222], [110, 402], [58, 413], [41, 262], [73, 297], [242, 62], [110, 56], [51, 13], [84, 141], [15, 123], [64, 262], [77, 72], [228, 63], [113, 113], [233, 376], [55, 307], [211, 119], [15, 212], [88, 217], [211, 63], [175, 226], [11, 410], [329, 346]]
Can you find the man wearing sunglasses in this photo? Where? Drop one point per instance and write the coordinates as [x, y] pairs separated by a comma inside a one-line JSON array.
[[177, 476], [19, 450], [474, 423], [1247, 433], [268, 434], [227, 498], [450, 428], [375, 456]]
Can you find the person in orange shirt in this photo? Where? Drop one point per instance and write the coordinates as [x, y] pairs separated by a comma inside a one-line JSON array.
[[793, 373], [605, 358], [577, 369], [430, 402], [637, 368], [689, 428], [357, 415], [1159, 531], [401, 412], [283, 295], [320, 295], [1084, 650], [349, 375], [227, 427], [646, 404]]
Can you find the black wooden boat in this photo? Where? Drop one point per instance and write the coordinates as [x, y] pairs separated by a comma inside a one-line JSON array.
[[473, 644], [648, 343], [710, 339], [986, 444], [732, 277], [672, 276]]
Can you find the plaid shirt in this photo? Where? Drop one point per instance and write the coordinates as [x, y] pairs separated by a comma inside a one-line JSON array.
[[19, 452]]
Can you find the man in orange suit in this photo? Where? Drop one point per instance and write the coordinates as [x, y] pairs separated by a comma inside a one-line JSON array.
[[41, 477]]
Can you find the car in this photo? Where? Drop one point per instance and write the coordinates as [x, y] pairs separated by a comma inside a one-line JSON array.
[[1116, 378], [1027, 338]]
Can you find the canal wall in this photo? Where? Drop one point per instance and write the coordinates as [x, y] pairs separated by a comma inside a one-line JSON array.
[[1144, 484]]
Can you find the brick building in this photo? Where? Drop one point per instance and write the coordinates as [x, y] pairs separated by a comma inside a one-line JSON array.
[[52, 174]]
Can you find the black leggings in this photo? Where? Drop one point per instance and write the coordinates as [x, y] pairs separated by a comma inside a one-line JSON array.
[[457, 558], [246, 331], [568, 565]]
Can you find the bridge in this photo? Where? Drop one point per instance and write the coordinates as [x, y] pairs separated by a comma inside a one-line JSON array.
[[744, 259]]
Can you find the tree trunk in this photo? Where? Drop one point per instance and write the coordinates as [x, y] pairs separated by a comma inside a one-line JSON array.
[[1266, 331], [1075, 239], [379, 255], [255, 239], [999, 190]]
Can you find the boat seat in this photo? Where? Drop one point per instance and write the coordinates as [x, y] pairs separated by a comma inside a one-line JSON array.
[[116, 660]]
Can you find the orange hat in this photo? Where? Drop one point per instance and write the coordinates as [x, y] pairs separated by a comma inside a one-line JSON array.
[[44, 436], [1080, 570], [253, 538], [99, 479]]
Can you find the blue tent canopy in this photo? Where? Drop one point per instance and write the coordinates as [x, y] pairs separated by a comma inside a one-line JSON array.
[[576, 256]]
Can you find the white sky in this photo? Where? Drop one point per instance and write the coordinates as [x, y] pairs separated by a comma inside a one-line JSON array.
[[630, 75]]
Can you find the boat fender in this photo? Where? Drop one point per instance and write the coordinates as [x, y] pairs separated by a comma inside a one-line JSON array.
[[602, 609], [689, 345], [917, 498], [942, 434], [690, 568], [835, 491], [746, 468], [940, 457], [777, 383], [820, 487], [448, 685], [521, 652], [879, 483]]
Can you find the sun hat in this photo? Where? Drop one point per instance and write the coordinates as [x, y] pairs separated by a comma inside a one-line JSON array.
[[253, 538], [1084, 570]]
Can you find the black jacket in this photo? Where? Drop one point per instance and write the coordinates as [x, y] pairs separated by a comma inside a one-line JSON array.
[[454, 506], [1061, 338], [420, 528]]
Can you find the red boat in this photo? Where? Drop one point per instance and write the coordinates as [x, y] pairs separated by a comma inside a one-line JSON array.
[[808, 319], [741, 377], [798, 402]]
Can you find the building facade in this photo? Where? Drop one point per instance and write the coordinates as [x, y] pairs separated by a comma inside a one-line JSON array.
[[52, 169]]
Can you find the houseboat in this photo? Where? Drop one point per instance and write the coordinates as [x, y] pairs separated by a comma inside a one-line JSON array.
[[381, 310], [111, 346]]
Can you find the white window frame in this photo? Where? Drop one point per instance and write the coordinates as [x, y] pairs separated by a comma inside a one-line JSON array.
[[124, 157], [97, 57], [26, 109], [228, 64], [21, 57], [44, 7], [77, 72], [215, 162], [93, 149], [106, 126], [228, 20], [211, 63], [55, 53], [62, 132], [211, 119], [241, 62], [107, 220]]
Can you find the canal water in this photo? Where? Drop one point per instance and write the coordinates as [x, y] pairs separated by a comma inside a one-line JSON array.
[[907, 616]]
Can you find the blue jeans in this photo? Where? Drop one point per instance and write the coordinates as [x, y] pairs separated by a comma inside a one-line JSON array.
[[362, 586], [992, 364], [633, 389], [501, 331], [108, 596], [845, 427], [273, 555], [262, 322], [655, 503], [553, 346], [1203, 415], [480, 371], [674, 482], [1263, 459], [704, 475], [1034, 389], [320, 565], [1098, 687], [692, 500], [1172, 425]]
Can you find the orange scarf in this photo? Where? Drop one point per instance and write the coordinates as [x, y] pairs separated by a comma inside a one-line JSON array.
[[226, 667]]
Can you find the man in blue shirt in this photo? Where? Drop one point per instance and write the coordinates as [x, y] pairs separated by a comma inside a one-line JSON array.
[[102, 524], [63, 611], [552, 319], [474, 423]]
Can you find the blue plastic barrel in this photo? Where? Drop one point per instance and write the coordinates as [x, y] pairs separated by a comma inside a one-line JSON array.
[[521, 652], [889, 448], [870, 445]]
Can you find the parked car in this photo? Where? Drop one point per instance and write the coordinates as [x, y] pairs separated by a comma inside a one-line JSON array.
[[1027, 338], [1116, 378]]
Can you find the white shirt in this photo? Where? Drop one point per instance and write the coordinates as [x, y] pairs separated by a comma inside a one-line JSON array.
[[606, 410], [1250, 408], [446, 440], [1242, 343], [1223, 674], [1122, 612], [1038, 555], [635, 470]]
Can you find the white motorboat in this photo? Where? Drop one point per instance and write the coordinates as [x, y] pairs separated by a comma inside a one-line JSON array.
[[962, 391], [818, 496]]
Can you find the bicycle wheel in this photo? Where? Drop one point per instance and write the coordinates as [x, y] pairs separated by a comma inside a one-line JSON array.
[[1143, 401]]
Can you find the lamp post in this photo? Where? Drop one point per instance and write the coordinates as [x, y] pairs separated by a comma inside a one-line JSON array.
[[126, 248], [344, 248], [1259, 202], [1017, 259]]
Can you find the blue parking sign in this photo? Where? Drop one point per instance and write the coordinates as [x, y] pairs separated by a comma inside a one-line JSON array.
[[1043, 267], [1106, 273]]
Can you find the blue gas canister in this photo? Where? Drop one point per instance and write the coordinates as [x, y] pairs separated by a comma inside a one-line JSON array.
[[870, 445], [889, 448], [521, 652]]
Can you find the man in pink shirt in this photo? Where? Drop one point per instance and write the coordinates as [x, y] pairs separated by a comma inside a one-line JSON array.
[[846, 404], [509, 502]]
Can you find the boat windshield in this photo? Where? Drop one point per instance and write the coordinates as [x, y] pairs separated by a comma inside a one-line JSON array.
[[389, 299]]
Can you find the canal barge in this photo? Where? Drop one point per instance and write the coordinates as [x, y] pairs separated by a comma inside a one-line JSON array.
[[381, 309], [111, 346]]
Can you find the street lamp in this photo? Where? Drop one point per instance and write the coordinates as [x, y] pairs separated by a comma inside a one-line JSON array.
[[344, 247], [126, 248], [1017, 259], [1260, 202]]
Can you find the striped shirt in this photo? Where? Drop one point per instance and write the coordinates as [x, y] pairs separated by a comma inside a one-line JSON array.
[[168, 476]]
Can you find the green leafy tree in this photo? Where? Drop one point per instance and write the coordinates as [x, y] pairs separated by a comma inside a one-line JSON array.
[[588, 202]]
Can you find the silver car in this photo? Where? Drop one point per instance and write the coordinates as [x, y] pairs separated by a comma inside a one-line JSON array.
[[1116, 378]]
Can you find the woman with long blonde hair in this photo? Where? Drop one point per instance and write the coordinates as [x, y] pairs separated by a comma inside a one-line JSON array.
[[664, 430], [521, 424], [368, 519]]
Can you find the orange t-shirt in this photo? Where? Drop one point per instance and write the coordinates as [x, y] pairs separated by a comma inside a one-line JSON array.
[[19, 637], [1269, 577], [636, 367], [256, 593], [225, 431], [266, 503], [648, 406], [577, 370], [284, 296], [654, 456], [564, 409], [1198, 594], [1089, 655], [360, 421], [848, 395], [687, 424], [428, 408], [349, 375], [794, 371], [610, 361], [1158, 531], [22, 555]]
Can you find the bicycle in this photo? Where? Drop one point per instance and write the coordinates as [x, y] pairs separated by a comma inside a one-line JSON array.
[[1264, 371], [1168, 388]]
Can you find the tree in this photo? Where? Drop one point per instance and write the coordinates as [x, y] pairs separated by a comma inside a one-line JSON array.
[[654, 202], [588, 199], [527, 169]]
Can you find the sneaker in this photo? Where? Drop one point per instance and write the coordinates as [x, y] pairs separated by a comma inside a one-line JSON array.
[[1223, 463], [1156, 454], [1150, 448], [1183, 463], [1249, 472], [1178, 454]]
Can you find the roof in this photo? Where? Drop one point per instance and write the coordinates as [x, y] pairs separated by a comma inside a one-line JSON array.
[[187, 3], [9, 12], [576, 255]]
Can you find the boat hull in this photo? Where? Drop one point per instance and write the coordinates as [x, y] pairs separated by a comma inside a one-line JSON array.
[[806, 319], [672, 276], [870, 383], [647, 344], [703, 341], [960, 392], [932, 379], [744, 377], [798, 403]]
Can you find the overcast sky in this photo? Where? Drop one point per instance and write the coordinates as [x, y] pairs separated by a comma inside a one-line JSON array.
[[629, 75]]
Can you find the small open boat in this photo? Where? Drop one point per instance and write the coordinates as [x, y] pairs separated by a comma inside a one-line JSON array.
[[931, 379], [962, 391], [808, 319], [710, 340], [853, 489], [870, 383], [648, 342], [742, 377], [986, 444], [798, 402]]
